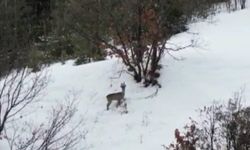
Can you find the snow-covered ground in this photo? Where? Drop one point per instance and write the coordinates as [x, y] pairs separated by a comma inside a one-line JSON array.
[[218, 66]]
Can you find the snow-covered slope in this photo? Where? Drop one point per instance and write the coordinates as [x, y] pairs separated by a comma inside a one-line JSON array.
[[215, 69]]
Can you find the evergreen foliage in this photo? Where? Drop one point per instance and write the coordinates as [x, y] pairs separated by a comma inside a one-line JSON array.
[[39, 32]]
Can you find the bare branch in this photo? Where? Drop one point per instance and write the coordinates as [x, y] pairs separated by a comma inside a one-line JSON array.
[[19, 89], [58, 133]]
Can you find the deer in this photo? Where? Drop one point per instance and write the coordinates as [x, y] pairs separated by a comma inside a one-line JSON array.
[[119, 96]]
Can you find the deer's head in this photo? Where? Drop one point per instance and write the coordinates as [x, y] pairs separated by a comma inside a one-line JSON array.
[[123, 86]]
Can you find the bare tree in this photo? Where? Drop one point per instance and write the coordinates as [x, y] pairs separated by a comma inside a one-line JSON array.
[[235, 4], [235, 124], [137, 31], [18, 89], [243, 4], [58, 133], [211, 116], [221, 127]]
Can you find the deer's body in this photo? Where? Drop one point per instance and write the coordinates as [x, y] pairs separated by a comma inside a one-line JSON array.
[[119, 96]]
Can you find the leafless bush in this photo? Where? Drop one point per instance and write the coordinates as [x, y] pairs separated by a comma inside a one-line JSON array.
[[236, 124], [221, 127], [189, 140], [210, 126], [58, 133], [18, 89]]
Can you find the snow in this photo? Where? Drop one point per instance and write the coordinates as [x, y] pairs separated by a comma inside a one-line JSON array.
[[217, 67], [4, 144]]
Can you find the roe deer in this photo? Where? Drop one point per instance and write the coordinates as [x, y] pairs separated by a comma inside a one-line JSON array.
[[119, 96]]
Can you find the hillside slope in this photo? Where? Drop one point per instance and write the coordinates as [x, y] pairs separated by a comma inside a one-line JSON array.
[[217, 67]]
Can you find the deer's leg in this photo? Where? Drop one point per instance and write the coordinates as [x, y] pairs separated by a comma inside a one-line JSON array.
[[109, 102], [118, 103]]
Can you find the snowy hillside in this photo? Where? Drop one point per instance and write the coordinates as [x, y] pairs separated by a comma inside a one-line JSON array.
[[217, 67]]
